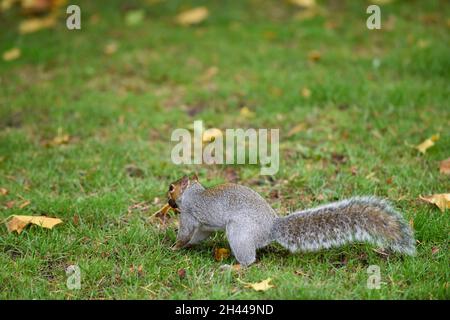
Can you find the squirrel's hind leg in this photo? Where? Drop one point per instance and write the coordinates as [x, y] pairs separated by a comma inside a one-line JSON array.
[[242, 244]]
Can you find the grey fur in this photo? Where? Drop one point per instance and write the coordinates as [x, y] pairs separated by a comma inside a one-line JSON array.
[[250, 223]]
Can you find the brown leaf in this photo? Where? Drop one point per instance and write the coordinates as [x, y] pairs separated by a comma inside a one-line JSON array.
[[261, 286], [182, 273], [434, 250], [221, 253], [18, 223], [314, 56], [192, 16], [134, 171], [10, 204], [444, 166], [231, 175], [428, 143], [296, 129], [24, 204], [442, 201], [3, 192], [11, 54]]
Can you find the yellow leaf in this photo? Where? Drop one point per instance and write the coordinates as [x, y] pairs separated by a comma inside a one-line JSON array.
[[12, 54], [18, 223], [424, 146], [36, 24], [444, 166], [193, 16], [306, 93], [303, 3], [211, 134], [221, 253], [314, 56], [261, 286], [3, 191], [245, 112], [442, 200]]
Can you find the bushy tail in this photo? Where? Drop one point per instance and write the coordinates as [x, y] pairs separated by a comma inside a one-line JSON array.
[[362, 219]]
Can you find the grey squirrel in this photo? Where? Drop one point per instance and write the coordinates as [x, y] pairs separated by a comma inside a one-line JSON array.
[[251, 223]]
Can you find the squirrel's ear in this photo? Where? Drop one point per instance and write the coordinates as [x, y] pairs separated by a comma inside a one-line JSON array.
[[184, 181], [194, 177]]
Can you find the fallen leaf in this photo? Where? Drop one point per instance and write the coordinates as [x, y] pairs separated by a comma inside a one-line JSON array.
[[442, 200], [211, 134], [314, 56], [246, 113], [434, 250], [261, 286], [134, 17], [428, 143], [231, 175], [303, 3], [18, 223], [444, 166], [11, 54], [3, 191], [182, 273], [306, 93], [296, 129], [301, 273], [221, 253], [24, 204], [134, 171], [10, 204], [36, 24], [192, 16], [110, 48]]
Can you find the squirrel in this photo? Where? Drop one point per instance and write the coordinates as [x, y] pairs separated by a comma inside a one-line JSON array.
[[251, 223]]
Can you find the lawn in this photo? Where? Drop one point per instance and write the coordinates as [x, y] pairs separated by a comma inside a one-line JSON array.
[[86, 118]]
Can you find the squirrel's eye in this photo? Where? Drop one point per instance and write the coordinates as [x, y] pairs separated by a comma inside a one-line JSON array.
[[171, 188]]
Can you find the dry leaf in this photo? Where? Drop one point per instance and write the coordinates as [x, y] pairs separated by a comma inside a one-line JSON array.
[[424, 146], [12, 54], [314, 56], [110, 48], [444, 166], [193, 16], [3, 191], [18, 223], [36, 24], [434, 250], [24, 204], [306, 93], [303, 3], [10, 204], [221, 253], [211, 134], [296, 129], [182, 273], [246, 113], [442, 200], [260, 286]]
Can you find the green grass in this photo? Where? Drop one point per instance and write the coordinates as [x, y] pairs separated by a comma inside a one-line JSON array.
[[360, 122]]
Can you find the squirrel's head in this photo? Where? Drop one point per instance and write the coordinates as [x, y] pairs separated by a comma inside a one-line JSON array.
[[177, 188]]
